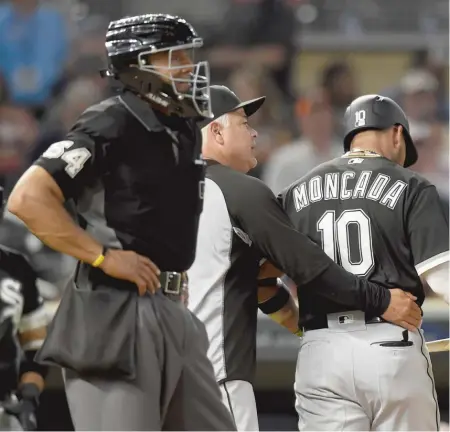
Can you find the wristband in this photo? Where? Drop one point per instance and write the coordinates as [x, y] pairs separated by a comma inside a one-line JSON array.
[[275, 303], [273, 281], [99, 260]]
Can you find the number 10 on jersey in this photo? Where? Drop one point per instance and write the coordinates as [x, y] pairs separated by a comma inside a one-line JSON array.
[[339, 243]]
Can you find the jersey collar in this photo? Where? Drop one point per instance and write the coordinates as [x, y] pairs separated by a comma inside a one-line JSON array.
[[142, 111], [361, 153]]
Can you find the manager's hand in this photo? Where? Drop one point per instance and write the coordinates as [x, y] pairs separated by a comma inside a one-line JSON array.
[[403, 310], [130, 266]]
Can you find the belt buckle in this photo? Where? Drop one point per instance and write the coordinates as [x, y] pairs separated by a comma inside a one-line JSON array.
[[173, 283]]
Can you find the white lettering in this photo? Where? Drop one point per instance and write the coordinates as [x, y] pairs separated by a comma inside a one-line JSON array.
[[345, 193], [75, 158], [361, 184], [335, 186], [377, 188], [331, 186], [315, 189], [392, 196], [301, 199]]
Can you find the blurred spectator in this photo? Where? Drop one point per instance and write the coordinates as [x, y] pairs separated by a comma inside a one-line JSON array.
[[90, 37], [79, 95], [33, 50], [262, 34], [339, 89], [18, 131], [317, 144], [250, 82], [432, 75], [418, 93], [88, 54], [424, 60], [430, 139], [89, 66], [50, 266]]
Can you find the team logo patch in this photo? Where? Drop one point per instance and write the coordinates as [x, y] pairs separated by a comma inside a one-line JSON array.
[[243, 236], [355, 161], [345, 319]]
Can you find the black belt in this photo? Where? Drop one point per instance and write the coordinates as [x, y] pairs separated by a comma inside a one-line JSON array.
[[172, 283], [321, 322]]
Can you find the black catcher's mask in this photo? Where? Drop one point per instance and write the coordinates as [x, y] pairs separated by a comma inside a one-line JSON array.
[[130, 43]]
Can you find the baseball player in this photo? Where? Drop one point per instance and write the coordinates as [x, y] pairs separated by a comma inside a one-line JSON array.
[[134, 357], [242, 224], [379, 220], [23, 322]]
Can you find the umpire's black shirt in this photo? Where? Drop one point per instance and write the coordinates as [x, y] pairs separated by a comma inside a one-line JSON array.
[[136, 178]]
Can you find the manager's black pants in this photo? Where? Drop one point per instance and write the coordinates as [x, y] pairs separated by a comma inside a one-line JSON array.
[[174, 388]]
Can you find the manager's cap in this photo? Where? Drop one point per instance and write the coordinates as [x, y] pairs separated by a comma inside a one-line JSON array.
[[224, 101]]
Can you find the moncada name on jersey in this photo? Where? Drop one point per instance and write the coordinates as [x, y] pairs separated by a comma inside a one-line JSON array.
[[335, 186]]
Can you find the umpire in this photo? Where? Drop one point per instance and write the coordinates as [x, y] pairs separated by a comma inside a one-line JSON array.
[[134, 358]]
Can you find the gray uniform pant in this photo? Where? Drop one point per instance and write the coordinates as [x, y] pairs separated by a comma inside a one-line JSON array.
[[174, 389], [347, 381]]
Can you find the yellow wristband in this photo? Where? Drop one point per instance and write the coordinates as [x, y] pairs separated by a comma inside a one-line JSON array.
[[299, 333], [98, 261]]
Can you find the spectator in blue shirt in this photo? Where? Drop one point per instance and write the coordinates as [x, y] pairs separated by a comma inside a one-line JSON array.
[[33, 49]]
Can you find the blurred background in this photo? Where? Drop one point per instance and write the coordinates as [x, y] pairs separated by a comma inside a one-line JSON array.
[[309, 57]]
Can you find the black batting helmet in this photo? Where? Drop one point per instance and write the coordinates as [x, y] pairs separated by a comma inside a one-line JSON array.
[[131, 41], [377, 112]]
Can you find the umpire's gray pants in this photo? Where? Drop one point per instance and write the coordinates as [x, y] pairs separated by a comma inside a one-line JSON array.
[[174, 389]]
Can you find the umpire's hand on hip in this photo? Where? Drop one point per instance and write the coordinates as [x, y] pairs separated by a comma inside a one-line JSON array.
[[403, 310], [130, 266]]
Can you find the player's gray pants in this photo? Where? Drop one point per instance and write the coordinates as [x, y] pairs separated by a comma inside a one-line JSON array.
[[175, 387], [9, 422], [346, 381]]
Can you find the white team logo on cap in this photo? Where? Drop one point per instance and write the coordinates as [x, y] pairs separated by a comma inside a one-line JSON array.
[[360, 118]]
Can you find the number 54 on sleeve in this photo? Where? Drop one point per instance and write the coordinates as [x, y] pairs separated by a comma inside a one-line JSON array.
[[74, 158]]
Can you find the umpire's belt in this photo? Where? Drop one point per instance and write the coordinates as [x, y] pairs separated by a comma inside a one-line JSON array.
[[343, 318], [171, 282]]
